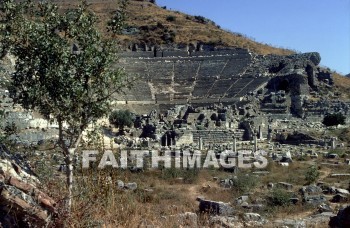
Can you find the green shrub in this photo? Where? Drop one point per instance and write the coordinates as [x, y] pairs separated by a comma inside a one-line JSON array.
[[279, 197], [245, 183], [171, 18], [312, 174], [121, 118], [201, 19]]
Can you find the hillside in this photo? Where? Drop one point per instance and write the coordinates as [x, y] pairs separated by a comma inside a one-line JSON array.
[[149, 24], [342, 84]]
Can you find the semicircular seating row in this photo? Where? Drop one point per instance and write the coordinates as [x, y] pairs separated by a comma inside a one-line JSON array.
[[189, 78]]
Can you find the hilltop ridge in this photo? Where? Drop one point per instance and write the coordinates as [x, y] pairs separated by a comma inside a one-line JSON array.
[[148, 24], [151, 27]]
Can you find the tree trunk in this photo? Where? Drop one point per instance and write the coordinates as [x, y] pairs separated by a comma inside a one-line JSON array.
[[69, 155], [70, 173]]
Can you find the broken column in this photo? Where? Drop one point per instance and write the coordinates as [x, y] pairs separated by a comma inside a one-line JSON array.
[[269, 130], [234, 144], [255, 142], [200, 143], [260, 133], [333, 145]]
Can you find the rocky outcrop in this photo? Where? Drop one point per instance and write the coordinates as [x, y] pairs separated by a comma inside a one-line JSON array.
[[22, 204], [312, 194]]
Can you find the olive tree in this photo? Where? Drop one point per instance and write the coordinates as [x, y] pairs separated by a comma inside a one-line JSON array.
[[120, 119], [65, 69]]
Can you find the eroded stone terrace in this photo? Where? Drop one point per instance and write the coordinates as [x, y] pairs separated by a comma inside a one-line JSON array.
[[215, 76]]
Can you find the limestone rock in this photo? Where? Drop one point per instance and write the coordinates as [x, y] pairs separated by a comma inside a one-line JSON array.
[[253, 220], [292, 223], [324, 208], [342, 191], [120, 184], [314, 199], [311, 190], [187, 219], [226, 221], [131, 186]]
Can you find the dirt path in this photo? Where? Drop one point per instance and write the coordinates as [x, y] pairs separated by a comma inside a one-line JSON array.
[[325, 172]]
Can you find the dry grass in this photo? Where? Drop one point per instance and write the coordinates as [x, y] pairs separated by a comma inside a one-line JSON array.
[[99, 203], [187, 30], [342, 84], [294, 174]]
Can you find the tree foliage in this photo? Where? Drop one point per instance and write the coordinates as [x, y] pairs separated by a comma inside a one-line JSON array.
[[334, 119], [279, 197], [121, 118], [65, 69], [117, 22], [312, 174]]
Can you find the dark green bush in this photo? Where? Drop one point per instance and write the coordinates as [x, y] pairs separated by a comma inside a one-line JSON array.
[[171, 18], [312, 174], [201, 19], [121, 118], [279, 197]]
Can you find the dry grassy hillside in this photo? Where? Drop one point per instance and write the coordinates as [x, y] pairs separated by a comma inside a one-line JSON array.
[[156, 25], [342, 84]]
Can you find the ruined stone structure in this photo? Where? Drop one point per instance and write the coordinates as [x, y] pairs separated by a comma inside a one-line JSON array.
[[201, 78], [178, 77]]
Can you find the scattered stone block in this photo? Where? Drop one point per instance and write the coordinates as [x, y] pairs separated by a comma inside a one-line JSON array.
[[20, 198], [214, 207], [289, 223], [339, 198], [225, 221], [253, 220], [285, 185], [324, 208], [314, 199], [342, 191], [120, 184], [294, 200], [311, 190], [131, 186]]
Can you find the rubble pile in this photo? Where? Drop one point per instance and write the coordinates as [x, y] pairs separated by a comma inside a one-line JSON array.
[[22, 203]]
